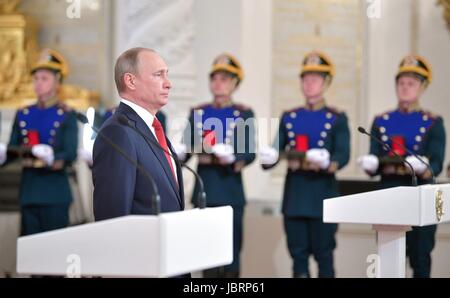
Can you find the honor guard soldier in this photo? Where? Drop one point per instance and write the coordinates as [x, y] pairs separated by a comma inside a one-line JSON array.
[[315, 139], [222, 135], [409, 128], [85, 154], [44, 136]]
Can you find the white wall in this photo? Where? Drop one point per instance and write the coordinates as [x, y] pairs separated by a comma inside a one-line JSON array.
[[217, 30], [242, 28], [433, 42], [388, 41]]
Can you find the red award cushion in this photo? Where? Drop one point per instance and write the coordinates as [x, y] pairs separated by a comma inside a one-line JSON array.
[[209, 138], [398, 145], [301, 143], [33, 138]]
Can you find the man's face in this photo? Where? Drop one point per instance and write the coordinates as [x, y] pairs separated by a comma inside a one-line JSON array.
[[44, 83], [409, 89], [312, 86], [222, 84], [152, 83]]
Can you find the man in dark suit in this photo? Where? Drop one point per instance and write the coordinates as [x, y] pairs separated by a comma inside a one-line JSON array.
[[119, 188]]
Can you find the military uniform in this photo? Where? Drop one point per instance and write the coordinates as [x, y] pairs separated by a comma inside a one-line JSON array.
[[300, 130], [423, 133], [211, 125], [45, 194]]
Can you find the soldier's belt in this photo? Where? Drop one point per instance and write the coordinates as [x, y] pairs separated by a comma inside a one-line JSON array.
[[19, 151], [296, 161], [34, 163], [26, 157], [393, 166], [208, 159], [293, 155], [28, 160], [399, 170]]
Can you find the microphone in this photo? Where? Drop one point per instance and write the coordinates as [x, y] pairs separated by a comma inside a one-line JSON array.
[[201, 200], [388, 148], [156, 200]]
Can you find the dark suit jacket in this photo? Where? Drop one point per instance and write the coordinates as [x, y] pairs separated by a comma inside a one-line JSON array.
[[119, 188]]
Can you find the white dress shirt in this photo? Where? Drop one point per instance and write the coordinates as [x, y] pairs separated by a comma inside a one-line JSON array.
[[148, 118]]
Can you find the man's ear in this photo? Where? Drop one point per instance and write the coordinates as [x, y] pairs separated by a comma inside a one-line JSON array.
[[423, 88], [327, 83], [59, 78], [235, 83], [129, 80]]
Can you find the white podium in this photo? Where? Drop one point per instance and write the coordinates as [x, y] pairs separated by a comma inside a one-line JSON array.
[[133, 246], [392, 212]]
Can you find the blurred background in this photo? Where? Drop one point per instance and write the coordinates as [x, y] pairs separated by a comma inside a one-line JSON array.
[[366, 40]]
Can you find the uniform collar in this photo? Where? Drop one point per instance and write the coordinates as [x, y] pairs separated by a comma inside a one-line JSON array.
[[48, 103], [415, 107], [227, 104], [316, 107]]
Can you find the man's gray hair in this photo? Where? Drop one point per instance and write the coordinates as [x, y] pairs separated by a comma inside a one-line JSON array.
[[128, 62]]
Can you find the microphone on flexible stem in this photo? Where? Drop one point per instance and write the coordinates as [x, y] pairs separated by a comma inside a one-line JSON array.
[[201, 200], [388, 148], [156, 199]]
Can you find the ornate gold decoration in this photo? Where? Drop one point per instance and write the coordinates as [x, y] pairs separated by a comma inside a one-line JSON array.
[[8, 6], [446, 5], [18, 51], [439, 205]]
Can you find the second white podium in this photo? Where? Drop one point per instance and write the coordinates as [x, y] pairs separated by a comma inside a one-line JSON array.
[[392, 212]]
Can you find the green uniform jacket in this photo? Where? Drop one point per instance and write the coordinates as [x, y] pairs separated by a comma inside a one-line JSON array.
[[223, 185], [304, 191], [43, 186], [432, 145]]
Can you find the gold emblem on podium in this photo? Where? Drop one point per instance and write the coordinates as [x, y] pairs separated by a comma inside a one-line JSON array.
[[439, 205]]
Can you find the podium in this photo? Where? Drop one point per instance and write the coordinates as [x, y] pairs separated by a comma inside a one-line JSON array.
[[392, 212], [165, 245]]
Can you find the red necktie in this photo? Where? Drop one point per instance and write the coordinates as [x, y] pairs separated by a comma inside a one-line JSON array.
[[163, 143]]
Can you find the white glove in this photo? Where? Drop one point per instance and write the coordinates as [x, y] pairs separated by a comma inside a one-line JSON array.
[[369, 163], [180, 150], [417, 165], [85, 155], [3, 155], [44, 152], [320, 157], [268, 156], [224, 152]]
